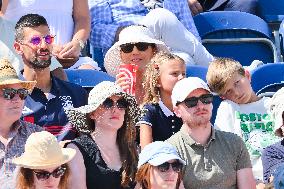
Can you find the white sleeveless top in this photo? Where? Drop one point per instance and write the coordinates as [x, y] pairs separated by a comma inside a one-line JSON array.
[[58, 14]]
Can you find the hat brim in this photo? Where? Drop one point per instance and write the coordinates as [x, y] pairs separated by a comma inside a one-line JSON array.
[[77, 117], [112, 58], [29, 85], [28, 162], [164, 158]]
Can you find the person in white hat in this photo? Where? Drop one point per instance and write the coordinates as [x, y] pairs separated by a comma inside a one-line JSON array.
[[44, 163], [106, 150], [273, 155], [159, 166], [13, 131], [214, 159]]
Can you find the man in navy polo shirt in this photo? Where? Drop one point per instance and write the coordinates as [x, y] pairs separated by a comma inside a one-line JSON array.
[[51, 96]]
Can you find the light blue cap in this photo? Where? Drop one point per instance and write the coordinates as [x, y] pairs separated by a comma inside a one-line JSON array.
[[157, 153]]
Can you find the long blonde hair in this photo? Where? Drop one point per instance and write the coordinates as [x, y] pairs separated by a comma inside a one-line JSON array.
[[152, 75]]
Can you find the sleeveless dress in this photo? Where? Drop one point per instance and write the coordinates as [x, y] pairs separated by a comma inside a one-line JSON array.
[[58, 14], [98, 175]]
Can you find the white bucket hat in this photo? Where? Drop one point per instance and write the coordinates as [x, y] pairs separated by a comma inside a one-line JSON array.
[[42, 151], [130, 34], [276, 109], [102, 91]]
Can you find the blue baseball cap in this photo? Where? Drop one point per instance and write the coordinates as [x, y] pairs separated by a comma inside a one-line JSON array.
[[157, 153]]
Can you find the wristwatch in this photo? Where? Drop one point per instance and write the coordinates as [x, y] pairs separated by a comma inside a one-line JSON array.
[[81, 43]]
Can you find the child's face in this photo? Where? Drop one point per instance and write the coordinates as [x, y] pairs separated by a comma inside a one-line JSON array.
[[170, 73], [238, 89]]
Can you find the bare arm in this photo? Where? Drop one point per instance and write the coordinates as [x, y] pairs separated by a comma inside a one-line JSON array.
[[195, 7], [78, 170], [145, 135], [245, 179], [4, 7], [81, 31]]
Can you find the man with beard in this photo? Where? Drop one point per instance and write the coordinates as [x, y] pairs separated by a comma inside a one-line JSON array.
[[214, 159], [51, 96]]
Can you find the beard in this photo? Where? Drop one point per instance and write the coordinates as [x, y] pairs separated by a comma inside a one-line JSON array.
[[38, 63]]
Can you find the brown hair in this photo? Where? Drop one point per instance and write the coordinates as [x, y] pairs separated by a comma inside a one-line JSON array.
[[143, 176], [25, 178], [220, 71], [152, 75]]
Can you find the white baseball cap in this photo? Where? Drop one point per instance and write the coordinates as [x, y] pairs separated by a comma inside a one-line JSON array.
[[185, 86]]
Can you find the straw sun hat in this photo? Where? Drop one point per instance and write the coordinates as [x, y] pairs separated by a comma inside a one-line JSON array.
[[102, 91], [8, 76], [130, 34], [42, 151]]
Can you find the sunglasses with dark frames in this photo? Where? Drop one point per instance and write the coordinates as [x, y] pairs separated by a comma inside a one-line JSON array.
[[48, 39], [44, 175], [192, 101], [176, 166], [120, 103], [141, 46], [9, 93]]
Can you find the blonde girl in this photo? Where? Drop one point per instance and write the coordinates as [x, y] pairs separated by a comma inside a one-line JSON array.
[[161, 74]]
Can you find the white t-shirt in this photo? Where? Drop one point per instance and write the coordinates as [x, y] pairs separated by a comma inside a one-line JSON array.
[[253, 123]]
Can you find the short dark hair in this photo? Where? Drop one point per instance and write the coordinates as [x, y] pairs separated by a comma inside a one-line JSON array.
[[28, 20]]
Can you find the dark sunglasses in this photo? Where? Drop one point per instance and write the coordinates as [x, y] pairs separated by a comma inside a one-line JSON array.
[[128, 47], [44, 175], [120, 104], [48, 39], [9, 93], [176, 166], [192, 101]]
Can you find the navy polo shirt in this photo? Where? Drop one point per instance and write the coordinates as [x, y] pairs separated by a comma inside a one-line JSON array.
[[48, 111], [164, 123]]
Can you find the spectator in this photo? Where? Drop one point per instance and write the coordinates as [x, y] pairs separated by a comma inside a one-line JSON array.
[[273, 155], [44, 163], [110, 17], [51, 96], [214, 159], [13, 131], [69, 21], [198, 6], [161, 74], [159, 166], [242, 112], [106, 152], [8, 51], [124, 52]]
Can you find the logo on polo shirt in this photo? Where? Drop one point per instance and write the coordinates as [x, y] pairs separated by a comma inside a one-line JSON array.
[[66, 102]]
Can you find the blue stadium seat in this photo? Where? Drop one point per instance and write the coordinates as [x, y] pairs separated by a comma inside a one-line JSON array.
[[238, 35], [87, 78], [266, 75], [271, 10]]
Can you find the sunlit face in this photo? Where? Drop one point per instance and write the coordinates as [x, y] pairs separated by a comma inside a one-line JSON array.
[[139, 58], [38, 56], [197, 115], [238, 89], [109, 118], [11, 109], [170, 73], [163, 180], [51, 182]]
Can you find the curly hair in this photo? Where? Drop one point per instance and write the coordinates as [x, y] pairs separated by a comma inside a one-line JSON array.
[[152, 75]]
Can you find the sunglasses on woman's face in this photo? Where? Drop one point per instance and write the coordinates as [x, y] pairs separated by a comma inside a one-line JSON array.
[[120, 103], [128, 47], [36, 40], [176, 166], [44, 175], [192, 101], [9, 93]]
